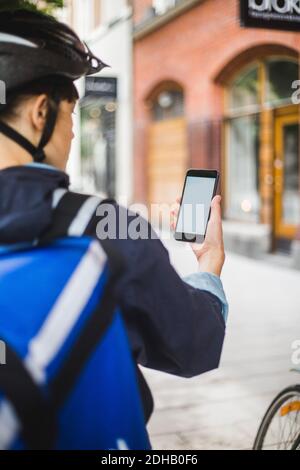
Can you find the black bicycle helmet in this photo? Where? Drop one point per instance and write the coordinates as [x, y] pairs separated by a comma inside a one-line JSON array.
[[33, 46]]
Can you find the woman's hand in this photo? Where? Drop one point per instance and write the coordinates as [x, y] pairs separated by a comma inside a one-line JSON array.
[[210, 254]]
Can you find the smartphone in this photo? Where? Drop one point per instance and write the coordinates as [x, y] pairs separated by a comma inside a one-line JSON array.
[[200, 186]]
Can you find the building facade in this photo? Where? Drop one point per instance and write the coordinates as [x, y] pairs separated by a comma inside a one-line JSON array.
[[210, 93], [101, 157]]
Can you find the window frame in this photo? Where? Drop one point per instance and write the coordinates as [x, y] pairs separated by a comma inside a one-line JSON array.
[[262, 88], [260, 109]]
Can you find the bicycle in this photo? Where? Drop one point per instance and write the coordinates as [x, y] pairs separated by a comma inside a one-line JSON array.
[[280, 427]]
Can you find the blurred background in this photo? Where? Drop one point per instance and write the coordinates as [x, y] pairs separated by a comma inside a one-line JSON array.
[[192, 84]]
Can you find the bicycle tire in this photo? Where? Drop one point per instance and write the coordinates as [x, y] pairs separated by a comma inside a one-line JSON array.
[[271, 412], [296, 445]]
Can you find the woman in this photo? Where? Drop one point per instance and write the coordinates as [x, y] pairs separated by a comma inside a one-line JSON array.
[[174, 325]]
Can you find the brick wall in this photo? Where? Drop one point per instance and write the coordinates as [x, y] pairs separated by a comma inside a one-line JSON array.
[[194, 49]]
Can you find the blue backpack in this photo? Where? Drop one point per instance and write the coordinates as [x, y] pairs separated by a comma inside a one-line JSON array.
[[69, 381]]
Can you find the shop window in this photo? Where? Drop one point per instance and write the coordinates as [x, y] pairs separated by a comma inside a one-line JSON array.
[[280, 76], [98, 123], [263, 86], [244, 92], [243, 165]]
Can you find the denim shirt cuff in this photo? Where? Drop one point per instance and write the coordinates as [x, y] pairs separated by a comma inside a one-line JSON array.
[[210, 283]]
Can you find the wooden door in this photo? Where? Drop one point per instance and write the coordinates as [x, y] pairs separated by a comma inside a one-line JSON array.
[[167, 160]]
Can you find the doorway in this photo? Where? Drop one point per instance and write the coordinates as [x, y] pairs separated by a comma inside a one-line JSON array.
[[286, 179]]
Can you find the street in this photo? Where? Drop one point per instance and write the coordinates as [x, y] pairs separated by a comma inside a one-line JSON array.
[[222, 409]]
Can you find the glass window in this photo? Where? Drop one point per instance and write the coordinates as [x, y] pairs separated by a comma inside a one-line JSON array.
[[263, 84], [244, 91], [280, 76], [168, 104], [291, 197], [98, 145], [243, 165]]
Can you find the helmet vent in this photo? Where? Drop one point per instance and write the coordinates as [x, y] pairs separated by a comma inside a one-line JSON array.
[[12, 39]]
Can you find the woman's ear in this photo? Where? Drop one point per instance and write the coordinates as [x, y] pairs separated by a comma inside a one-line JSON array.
[[39, 111]]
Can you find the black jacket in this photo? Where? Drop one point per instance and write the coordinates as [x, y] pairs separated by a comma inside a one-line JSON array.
[[172, 327]]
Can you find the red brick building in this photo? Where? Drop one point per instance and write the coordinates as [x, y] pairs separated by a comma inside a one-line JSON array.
[[209, 93]]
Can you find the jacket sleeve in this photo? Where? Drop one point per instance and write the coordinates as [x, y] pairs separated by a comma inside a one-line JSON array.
[[172, 326]]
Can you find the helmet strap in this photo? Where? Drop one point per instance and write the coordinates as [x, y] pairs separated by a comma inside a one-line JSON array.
[[37, 153]]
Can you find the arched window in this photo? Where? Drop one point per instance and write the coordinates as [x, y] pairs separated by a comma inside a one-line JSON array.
[[264, 85], [267, 83], [168, 104], [244, 91], [280, 75]]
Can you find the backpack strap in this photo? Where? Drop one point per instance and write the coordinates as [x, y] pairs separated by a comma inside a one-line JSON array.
[[38, 423], [72, 214], [65, 211]]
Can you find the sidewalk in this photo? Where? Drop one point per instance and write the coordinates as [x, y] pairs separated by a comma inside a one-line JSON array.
[[222, 409]]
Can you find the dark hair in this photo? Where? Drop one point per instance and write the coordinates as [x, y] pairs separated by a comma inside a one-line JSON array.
[[60, 87]]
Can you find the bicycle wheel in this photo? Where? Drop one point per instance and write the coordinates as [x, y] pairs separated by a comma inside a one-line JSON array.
[[280, 427], [296, 445]]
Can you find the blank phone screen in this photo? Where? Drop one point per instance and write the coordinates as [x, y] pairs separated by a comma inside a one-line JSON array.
[[195, 205]]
